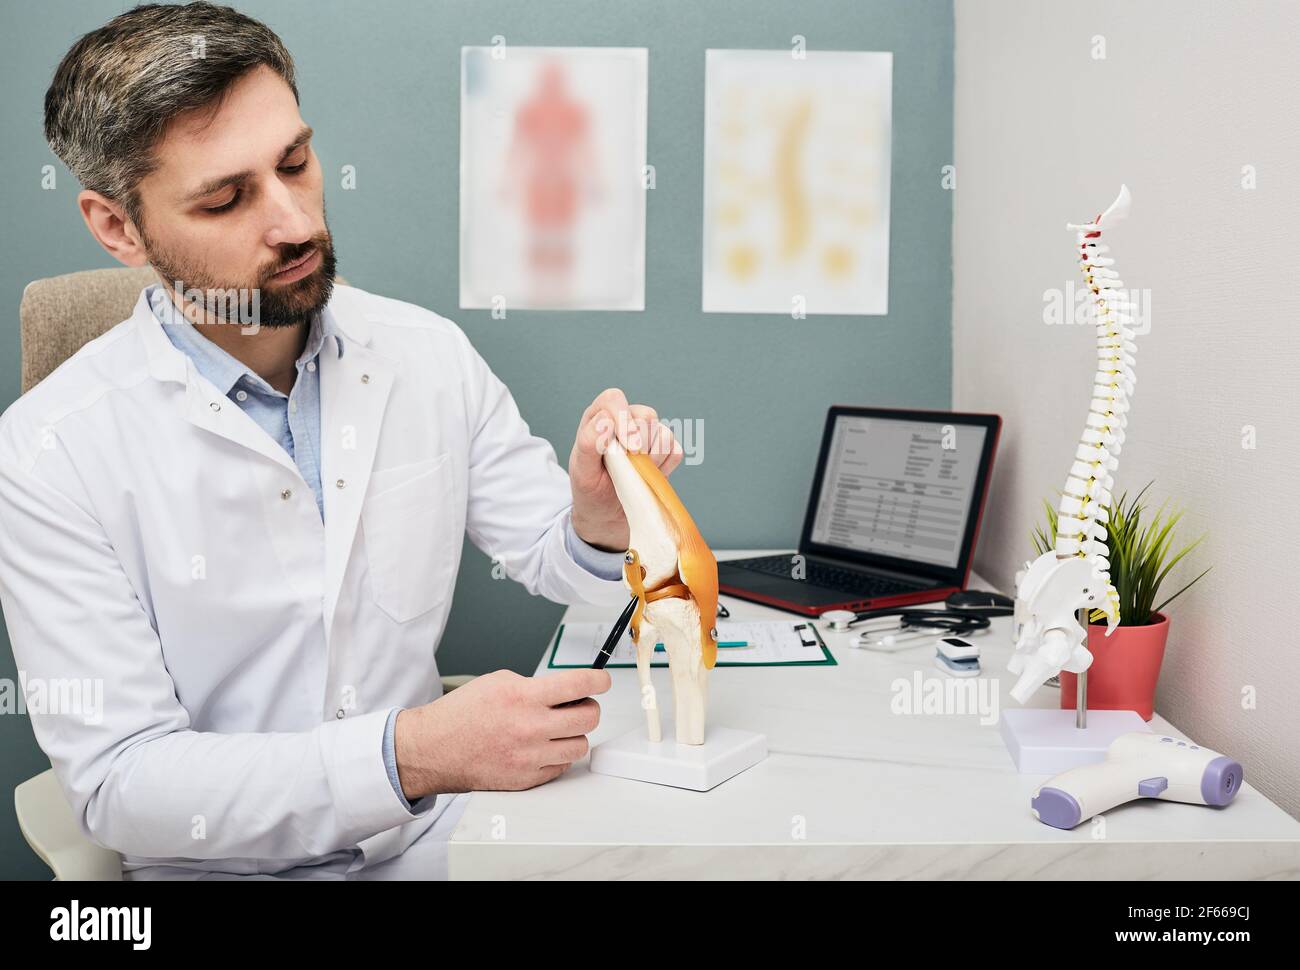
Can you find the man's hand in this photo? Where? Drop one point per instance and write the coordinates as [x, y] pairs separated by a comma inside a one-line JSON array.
[[597, 515], [500, 732]]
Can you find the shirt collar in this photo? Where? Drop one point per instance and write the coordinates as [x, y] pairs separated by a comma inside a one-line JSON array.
[[217, 365]]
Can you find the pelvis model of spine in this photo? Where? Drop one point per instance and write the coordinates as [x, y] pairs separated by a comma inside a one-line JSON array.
[[672, 572], [1075, 574]]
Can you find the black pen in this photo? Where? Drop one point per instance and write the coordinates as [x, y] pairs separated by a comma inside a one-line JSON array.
[[611, 641]]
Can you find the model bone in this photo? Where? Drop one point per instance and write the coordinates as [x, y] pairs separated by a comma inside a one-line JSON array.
[[1076, 573], [678, 590]]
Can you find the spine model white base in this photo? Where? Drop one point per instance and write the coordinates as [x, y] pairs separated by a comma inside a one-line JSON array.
[[1076, 573]]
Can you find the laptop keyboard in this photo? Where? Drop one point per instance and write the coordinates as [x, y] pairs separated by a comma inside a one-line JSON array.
[[835, 578]]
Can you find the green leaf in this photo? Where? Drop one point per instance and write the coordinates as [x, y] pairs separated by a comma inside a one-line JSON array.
[[1142, 548], [1181, 591]]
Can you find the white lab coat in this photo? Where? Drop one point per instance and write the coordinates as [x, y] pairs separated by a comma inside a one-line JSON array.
[[154, 538]]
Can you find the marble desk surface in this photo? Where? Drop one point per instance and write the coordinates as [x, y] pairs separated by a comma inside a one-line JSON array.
[[850, 790]]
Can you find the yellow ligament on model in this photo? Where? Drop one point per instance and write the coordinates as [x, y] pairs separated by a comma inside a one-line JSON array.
[[697, 569]]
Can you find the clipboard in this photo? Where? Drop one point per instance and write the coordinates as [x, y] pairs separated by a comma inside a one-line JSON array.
[[807, 632]]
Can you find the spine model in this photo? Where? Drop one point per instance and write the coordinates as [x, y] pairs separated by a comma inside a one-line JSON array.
[[1075, 575], [1081, 524]]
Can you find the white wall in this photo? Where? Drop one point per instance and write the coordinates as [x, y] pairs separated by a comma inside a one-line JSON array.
[[1188, 94]]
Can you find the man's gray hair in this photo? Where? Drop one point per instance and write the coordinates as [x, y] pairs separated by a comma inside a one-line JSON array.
[[117, 88]]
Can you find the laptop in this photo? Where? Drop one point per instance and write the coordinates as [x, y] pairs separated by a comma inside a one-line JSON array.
[[892, 517]]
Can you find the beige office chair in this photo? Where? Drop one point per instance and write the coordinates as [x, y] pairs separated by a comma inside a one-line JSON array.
[[59, 316], [63, 313], [46, 821]]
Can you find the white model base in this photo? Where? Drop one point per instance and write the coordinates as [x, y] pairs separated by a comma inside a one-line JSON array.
[[1046, 742], [725, 753]]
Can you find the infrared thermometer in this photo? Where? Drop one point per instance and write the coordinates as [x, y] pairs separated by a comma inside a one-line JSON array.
[[1138, 765]]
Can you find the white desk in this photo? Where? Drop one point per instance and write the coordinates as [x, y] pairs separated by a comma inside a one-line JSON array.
[[849, 790]]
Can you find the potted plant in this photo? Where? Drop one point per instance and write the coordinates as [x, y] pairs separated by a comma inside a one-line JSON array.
[[1126, 664]]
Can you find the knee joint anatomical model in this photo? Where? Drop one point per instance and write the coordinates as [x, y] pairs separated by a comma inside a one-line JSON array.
[[1075, 575], [672, 572]]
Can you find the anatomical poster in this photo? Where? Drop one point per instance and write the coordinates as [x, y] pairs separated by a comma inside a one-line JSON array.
[[552, 169], [796, 181]]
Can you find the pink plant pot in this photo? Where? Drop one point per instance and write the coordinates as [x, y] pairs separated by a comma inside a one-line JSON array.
[[1125, 668]]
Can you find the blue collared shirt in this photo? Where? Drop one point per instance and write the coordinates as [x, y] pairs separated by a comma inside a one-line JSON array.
[[293, 421]]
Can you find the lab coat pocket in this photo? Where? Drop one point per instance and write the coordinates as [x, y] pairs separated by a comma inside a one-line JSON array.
[[408, 523]]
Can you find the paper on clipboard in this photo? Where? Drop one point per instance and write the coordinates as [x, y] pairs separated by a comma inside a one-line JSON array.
[[766, 642]]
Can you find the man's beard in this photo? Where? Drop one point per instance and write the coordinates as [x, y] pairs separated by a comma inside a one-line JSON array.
[[277, 305]]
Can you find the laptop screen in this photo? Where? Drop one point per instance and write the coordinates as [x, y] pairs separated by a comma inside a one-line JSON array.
[[899, 488]]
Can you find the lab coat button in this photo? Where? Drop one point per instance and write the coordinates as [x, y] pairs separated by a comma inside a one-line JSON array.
[[365, 378], [340, 483], [215, 406], [287, 494], [340, 713]]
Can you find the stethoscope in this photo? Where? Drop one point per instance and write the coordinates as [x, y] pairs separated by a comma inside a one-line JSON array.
[[912, 627]]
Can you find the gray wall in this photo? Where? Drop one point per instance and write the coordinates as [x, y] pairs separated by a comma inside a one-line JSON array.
[[380, 84], [1188, 94]]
